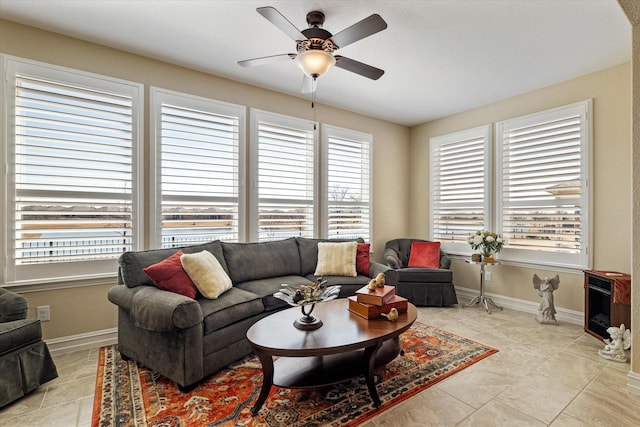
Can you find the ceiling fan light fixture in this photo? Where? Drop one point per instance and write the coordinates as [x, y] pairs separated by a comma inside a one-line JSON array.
[[315, 62]]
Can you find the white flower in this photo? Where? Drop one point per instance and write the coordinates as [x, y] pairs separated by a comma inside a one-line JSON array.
[[477, 240], [490, 239]]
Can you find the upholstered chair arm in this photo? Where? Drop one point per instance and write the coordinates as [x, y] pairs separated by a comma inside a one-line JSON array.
[[390, 276], [392, 259], [12, 306], [156, 309], [445, 261]]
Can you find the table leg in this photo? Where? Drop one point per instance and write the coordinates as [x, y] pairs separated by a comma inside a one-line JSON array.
[[369, 360], [267, 381]]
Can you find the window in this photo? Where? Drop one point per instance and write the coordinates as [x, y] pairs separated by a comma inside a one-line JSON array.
[[199, 147], [543, 176], [283, 177], [72, 184], [347, 191], [460, 176]]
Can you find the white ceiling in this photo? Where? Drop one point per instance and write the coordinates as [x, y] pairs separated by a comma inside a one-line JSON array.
[[440, 56]]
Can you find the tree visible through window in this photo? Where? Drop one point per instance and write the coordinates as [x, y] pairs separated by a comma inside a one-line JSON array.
[[348, 171]]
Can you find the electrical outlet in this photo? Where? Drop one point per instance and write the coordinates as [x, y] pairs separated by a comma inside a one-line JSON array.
[[43, 313], [487, 276]]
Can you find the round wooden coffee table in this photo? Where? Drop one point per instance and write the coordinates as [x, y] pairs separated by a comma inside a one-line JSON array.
[[345, 346]]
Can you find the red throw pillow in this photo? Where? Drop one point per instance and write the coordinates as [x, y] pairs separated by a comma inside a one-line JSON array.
[[170, 276], [425, 254], [362, 259]]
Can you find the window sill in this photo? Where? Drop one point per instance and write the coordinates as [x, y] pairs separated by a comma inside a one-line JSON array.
[[59, 283]]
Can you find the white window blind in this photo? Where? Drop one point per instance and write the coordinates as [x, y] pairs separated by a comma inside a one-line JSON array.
[[543, 185], [284, 177], [199, 168], [348, 172], [71, 154], [460, 174]]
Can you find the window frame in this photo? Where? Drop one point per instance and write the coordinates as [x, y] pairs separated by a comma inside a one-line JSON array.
[[257, 116], [328, 132], [87, 270], [158, 96], [484, 132], [583, 260]]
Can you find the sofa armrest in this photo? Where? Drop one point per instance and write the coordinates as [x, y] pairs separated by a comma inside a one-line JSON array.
[[391, 258], [390, 275], [156, 309], [12, 306], [445, 261]]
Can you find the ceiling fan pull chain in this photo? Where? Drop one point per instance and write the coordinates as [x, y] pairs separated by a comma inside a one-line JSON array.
[[313, 100]]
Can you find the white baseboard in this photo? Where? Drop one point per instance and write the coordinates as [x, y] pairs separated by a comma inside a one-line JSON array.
[[562, 314], [633, 385], [83, 341]]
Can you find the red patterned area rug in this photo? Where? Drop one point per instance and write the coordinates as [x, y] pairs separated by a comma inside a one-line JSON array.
[[130, 395]]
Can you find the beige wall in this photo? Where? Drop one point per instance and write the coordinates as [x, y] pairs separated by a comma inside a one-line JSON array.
[[85, 309], [611, 93], [632, 9]]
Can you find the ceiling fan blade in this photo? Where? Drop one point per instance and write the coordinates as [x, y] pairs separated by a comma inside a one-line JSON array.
[[266, 59], [278, 19], [358, 67], [307, 84], [359, 30]]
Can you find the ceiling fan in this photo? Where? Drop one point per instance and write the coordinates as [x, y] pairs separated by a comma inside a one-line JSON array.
[[315, 45]]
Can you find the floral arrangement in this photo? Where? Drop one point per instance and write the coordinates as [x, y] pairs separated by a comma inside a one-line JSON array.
[[487, 242]]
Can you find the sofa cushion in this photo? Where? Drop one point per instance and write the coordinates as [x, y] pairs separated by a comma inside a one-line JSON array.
[[169, 275], [424, 254], [425, 275], [18, 333], [133, 263], [254, 261], [235, 305], [265, 288], [207, 273], [309, 252], [336, 259]]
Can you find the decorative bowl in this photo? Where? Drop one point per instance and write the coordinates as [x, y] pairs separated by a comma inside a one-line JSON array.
[[306, 297]]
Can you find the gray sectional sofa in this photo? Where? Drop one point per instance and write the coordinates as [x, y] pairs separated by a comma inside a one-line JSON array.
[[186, 340]]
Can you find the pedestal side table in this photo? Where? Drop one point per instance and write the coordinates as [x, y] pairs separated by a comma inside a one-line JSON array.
[[482, 298]]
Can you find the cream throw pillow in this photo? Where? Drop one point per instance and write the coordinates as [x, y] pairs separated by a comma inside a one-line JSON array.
[[336, 259], [207, 274]]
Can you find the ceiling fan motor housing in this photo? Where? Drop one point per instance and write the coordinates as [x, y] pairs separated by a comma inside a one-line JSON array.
[[317, 37]]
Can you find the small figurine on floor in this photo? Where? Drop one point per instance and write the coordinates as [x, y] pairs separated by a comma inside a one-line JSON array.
[[615, 348], [546, 286]]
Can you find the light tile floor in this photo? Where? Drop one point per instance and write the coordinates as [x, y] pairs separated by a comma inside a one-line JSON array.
[[543, 375]]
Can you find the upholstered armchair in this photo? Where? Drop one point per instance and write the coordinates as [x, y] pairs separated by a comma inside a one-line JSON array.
[[423, 286], [25, 361]]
